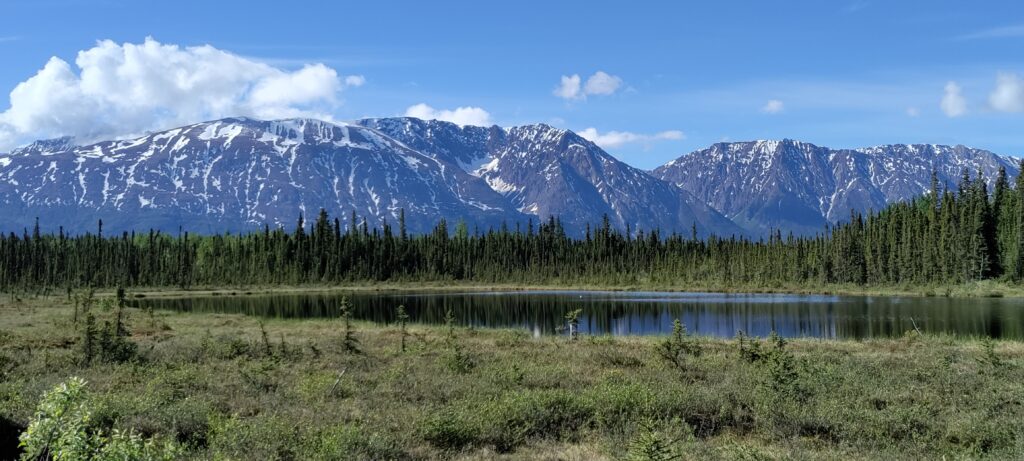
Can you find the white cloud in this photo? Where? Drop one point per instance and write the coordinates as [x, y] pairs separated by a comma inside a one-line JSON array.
[[355, 80], [1008, 96], [613, 139], [127, 89], [953, 102], [569, 88], [773, 106], [461, 116], [913, 112], [282, 92], [601, 83]]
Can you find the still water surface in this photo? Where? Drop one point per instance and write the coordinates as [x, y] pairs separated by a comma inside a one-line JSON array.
[[645, 313]]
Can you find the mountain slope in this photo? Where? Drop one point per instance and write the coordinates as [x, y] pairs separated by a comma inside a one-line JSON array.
[[545, 171], [238, 174], [791, 185]]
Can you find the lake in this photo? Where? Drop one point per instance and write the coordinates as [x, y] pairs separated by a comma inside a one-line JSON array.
[[646, 313]]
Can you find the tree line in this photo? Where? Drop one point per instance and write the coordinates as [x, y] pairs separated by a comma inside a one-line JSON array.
[[948, 235]]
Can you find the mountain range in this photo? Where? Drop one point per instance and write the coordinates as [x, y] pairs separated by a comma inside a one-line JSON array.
[[240, 174], [799, 187]]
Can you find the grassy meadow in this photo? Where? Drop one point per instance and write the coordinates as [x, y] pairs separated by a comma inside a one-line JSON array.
[[235, 387]]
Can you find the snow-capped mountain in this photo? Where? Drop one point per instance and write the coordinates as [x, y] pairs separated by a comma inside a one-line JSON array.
[[792, 185], [239, 174], [545, 171]]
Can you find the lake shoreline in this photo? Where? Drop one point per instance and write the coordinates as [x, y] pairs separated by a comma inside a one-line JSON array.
[[984, 289], [545, 312]]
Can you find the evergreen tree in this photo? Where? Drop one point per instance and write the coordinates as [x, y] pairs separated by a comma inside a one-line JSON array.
[[403, 319], [349, 342]]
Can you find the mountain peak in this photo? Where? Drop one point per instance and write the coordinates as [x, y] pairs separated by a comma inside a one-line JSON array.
[[237, 174], [793, 185], [50, 146]]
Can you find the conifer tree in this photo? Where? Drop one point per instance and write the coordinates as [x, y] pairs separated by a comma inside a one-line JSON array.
[[349, 342], [403, 319]]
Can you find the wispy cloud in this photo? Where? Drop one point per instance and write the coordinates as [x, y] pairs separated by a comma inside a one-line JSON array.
[[773, 106], [613, 139], [879, 94], [1016, 30], [10, 38], [461, 116]]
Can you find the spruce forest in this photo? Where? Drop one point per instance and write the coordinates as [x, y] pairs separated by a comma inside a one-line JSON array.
[[950, 235]]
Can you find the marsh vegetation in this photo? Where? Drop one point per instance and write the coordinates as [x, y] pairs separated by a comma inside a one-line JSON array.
[[228, 386]]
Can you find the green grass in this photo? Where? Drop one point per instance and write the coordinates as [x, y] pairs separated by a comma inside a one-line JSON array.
[[209, 381]]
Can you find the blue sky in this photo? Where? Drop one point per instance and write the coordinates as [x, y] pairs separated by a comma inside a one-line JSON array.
[[674, 76]]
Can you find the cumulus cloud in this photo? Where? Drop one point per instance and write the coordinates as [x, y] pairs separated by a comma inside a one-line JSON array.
[[461, 116], [773, 106], [572, 87], [953, 103], [123, 89], [913, 112], [355, 80], [1008, 95], [613, 139], [569, 88], [602, 83]]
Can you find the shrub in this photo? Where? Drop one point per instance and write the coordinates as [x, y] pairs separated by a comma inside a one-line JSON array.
[[264, 436], [265, 341], [652, 444], [781, 369], [573, 318], [346, 442], [114, 345], [517, 417], [750, 350], [449, 430], [62, 429], [989, 356], [616, 406], [89, 339], [109, 344], [679, 347], [457, 359]]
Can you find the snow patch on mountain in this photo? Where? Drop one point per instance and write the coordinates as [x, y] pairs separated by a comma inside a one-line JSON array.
[[791, 185]]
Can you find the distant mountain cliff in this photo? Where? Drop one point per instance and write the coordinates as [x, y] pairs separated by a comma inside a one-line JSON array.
[[239, 174], [799, 187]]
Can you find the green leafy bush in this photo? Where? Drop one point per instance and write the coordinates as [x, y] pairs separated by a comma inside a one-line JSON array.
[[63, 430], [450, 429]]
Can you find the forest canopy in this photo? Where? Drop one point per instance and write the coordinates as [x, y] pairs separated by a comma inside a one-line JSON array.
[[945, 236]]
